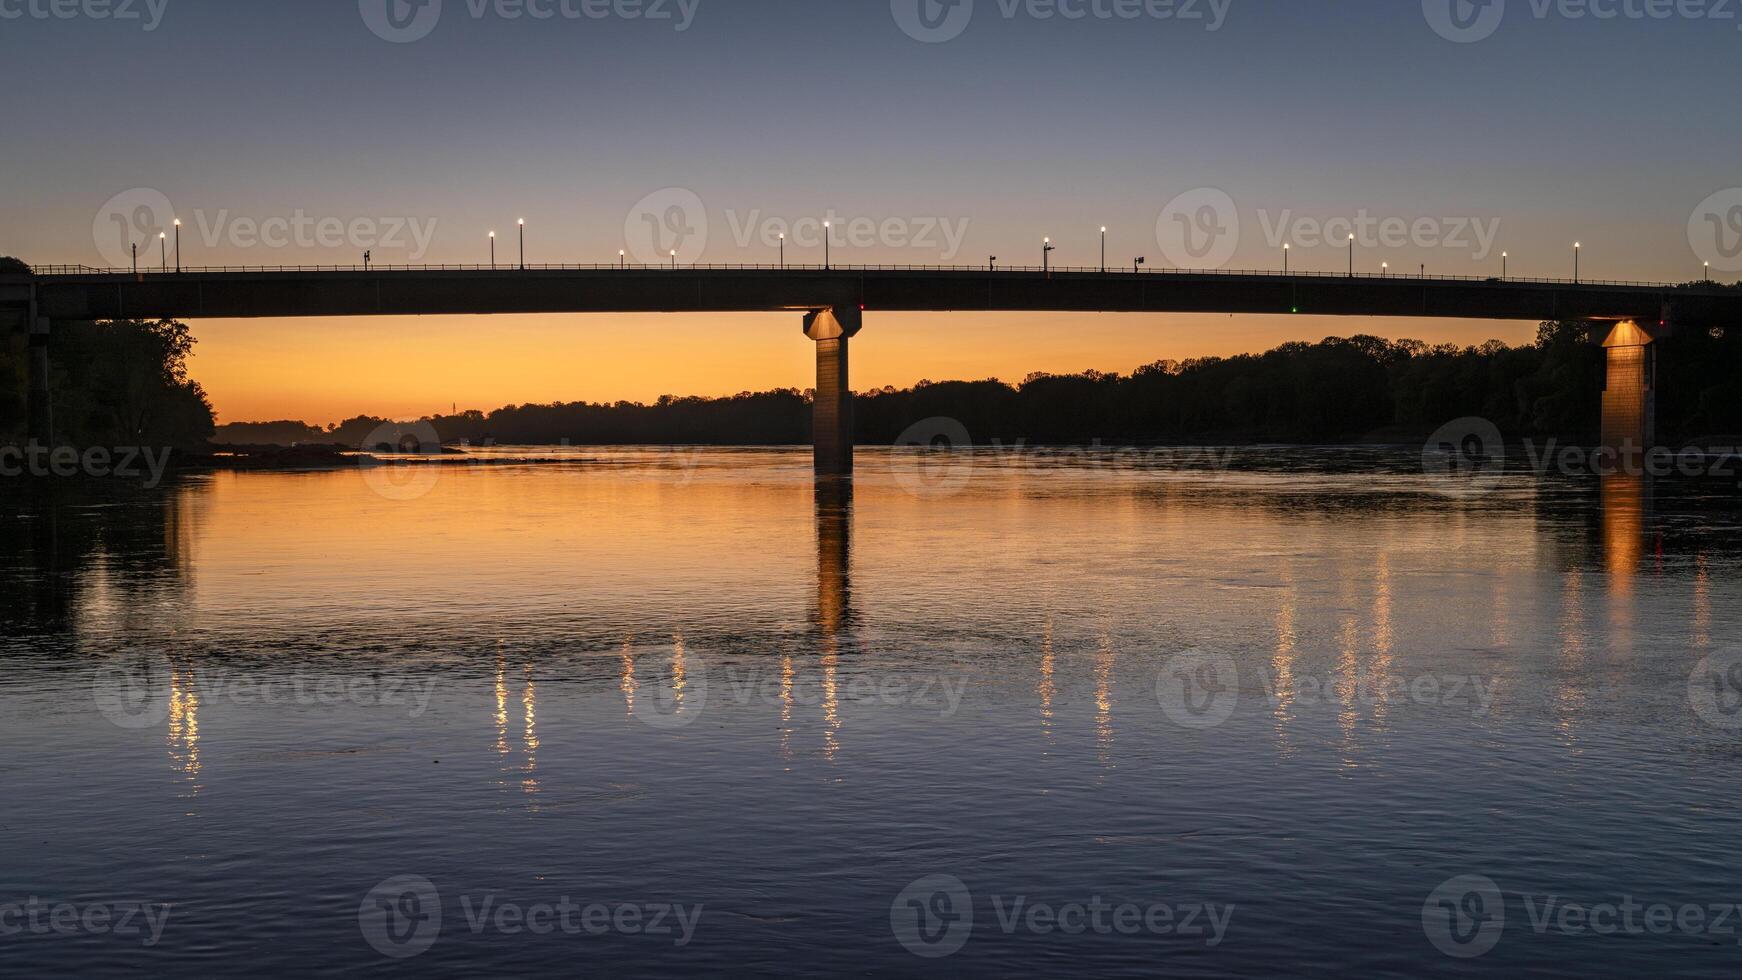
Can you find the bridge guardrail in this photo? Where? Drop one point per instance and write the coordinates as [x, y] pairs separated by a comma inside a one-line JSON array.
[[84, 270]]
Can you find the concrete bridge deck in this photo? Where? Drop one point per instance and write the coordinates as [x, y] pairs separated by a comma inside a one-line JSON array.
[[300, 292]]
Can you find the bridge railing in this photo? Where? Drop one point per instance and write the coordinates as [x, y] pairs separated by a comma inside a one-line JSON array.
[[1366, 277]]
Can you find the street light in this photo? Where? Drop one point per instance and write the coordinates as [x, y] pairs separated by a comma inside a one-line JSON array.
[[783, 250], [1384, 269], [622, 259], [163, 246], [1576, 248], [1503, 257], [523, 244], [178, 245], [992, 264], [1708, 273], [1137, 264], [826, 227], [1351, 256], [492, 250], [1103, 248], [1046, 250], [1285, 247], [674, 260], [135, 258]]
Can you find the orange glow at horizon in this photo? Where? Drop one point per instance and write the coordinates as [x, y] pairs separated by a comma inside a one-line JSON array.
[[327, 370]]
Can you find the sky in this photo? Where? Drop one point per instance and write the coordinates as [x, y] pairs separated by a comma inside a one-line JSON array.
[[1200, 134]]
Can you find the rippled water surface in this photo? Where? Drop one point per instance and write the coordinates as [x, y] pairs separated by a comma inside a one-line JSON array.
[[1295, 691]]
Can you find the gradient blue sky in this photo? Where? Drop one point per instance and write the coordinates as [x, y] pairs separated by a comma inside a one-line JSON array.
[[1611, 132]]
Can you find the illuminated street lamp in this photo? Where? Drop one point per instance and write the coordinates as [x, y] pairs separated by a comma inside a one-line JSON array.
[[1384, 269], [492, 250], [523, 244], [1503, 257], [163, 246], [1103, 248], [1138, 263], [1351, 256], [783, 250], [178, 245], [1285, 247], [1576, 249], [674, 260], [826, 227], [1046, 250], [622, 259]]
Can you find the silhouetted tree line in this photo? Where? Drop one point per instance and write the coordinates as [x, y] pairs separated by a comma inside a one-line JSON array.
[[114, 383], [1338, 390]]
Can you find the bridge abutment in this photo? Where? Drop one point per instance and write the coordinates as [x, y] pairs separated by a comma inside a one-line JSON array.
[[1629, 388], [41, 407], [832, 411]]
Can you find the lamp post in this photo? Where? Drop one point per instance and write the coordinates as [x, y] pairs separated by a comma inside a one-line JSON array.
[[135, 258], [523, 244], [1103, 248], [1351, 256], [1707, 273], [622, 259], [492, 250], [1503, 257], [1137, 264], [178, 244], [674, 260], [992, 264], [163, 248], [783, 250], [1046, 248], [1384, 269], [1285, 249], [826, 227], [1576, 250]]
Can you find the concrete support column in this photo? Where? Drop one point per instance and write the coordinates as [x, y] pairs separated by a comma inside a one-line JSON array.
[[832, 412], [1629, 389], [41, 408]]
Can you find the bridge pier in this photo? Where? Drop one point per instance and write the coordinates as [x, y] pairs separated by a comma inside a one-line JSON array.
[[832, 411], [41, 409], [1629, 389]]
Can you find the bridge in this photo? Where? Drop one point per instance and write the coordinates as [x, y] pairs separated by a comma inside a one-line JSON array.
[[1627, 317]]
